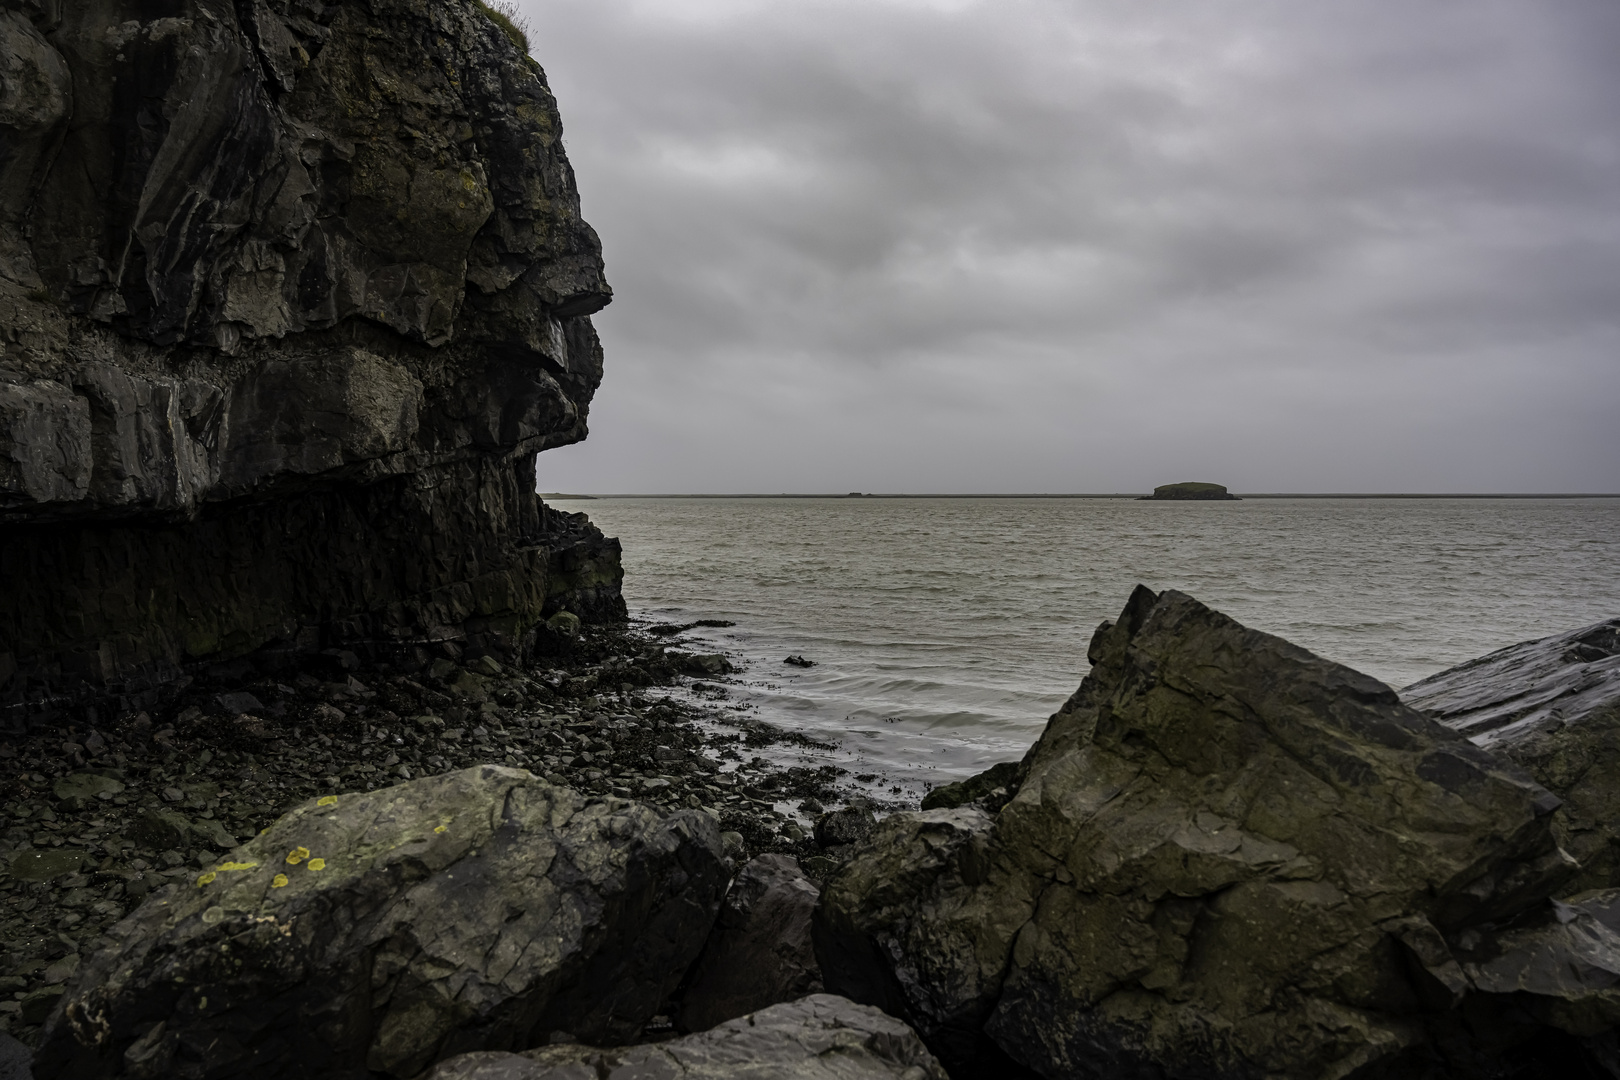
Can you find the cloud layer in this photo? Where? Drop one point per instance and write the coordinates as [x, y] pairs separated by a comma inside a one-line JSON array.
[[1092, 245]]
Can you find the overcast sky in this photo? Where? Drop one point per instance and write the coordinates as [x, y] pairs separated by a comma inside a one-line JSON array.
[[1021, 245]]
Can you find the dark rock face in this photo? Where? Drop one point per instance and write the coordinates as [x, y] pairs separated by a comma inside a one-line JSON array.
[[1230, 858], [1552, 706], [378, 933], [759, 952], [1190, 491], [15, 1060], [820, 1037], [291, 292]]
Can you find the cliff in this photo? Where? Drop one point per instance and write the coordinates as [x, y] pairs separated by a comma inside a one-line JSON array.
[[291, 294]]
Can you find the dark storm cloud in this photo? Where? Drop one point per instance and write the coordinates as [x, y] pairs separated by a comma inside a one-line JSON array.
[[1028, 245]]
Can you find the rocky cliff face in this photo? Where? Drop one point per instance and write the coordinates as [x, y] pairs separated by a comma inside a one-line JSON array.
[[291, 293]]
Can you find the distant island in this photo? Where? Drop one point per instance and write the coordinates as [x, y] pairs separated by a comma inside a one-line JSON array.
[[1189, 491]]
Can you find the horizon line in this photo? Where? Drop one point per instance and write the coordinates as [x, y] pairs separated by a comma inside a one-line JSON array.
[[1085, 495]]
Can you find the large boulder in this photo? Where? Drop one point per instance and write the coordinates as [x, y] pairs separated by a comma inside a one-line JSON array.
[[374, 934], [820, 1037], [1227, 857], [1553, 706], [759, 952], [291, 294]]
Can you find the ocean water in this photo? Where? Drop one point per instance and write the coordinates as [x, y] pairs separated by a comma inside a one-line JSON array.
[[945, 631]]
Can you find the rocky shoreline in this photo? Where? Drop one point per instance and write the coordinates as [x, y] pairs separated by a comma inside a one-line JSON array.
[[98, 816], [1224, 858]]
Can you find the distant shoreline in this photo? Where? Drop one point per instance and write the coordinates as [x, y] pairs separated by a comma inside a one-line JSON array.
[[1117, 495]]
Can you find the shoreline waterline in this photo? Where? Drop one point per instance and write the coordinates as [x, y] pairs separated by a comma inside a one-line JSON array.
[[945, 631]]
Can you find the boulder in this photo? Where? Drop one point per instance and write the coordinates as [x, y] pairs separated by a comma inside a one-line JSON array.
[[374, 934], [759, 952], [700, 663], [1552, 706], [820, 1037], [993, 787], [1227, 857], [840, 828]]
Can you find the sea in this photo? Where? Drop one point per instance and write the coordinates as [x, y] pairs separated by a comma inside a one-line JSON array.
[[945, 631]]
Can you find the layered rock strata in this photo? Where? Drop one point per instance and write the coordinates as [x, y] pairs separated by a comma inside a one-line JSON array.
[[291, 292], [374, 934], [1552, 706], [1227, 857]]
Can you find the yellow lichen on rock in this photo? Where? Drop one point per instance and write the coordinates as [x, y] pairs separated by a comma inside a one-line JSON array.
[[317, 864], [297, 855], [236, 866], [204, 879], [278, 881], [326, 800]]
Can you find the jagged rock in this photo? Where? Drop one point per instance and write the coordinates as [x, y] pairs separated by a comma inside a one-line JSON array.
[[993, 787], [759, 952], [480, 909], [1227, 858], [1553, 706], [820, 1037], [291, 292], [850, 825]]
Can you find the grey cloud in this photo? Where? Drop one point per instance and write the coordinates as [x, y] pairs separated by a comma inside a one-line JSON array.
[[1040, 245]]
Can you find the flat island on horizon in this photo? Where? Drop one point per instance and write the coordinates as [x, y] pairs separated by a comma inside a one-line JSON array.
[[1189, 491]]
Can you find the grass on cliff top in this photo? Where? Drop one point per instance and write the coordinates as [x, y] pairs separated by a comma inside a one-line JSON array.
[[505, 15]]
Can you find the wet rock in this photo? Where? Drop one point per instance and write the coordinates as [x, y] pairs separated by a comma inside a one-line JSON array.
[[798, 661], [759, 952], [700, 663], [1552, 706], [993, 788], [820, 1037], [851, 825], [478, 909], [1222, 854]]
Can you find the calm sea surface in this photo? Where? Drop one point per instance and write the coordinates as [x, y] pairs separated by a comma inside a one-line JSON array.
[[946, 631]]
